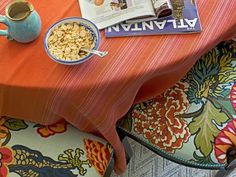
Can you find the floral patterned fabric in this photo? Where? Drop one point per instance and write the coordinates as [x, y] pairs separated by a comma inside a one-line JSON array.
[[194, 122], [58, 150]]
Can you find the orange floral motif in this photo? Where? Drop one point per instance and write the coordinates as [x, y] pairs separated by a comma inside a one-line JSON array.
[[3, 130], [161, 123], [98, 154], [6, 158], [49, 130], [225, 140]]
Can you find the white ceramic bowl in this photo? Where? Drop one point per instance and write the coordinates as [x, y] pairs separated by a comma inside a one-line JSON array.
[[88, 25]]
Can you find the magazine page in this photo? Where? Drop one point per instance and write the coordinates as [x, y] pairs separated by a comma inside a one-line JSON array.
[[162, 9], [184, 20], [105, 13]]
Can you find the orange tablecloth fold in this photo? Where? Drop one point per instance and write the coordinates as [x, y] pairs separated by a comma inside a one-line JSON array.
[[94, 95]]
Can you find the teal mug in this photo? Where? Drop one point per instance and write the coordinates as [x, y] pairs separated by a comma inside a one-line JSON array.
[[22, 21]]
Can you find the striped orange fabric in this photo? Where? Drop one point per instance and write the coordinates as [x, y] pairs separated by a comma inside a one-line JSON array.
[[94, 95]]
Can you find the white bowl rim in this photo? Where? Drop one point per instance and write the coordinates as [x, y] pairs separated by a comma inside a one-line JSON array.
[[73, 62]]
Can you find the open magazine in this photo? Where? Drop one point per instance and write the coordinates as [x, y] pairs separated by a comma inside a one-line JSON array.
[[162, 9], [184, 20], [105, 13]]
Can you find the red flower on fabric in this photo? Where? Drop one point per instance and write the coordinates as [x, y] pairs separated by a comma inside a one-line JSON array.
[[49, 130], [233, 96], [6, 158], [98, 154], [161, 123], [225, 140]]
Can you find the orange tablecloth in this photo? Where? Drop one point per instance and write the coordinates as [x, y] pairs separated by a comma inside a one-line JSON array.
[[94, 95]]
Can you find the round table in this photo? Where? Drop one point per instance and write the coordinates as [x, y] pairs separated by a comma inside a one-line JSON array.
[[93, 96]]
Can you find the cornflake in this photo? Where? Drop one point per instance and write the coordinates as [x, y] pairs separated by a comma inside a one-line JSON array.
[[65, 41]]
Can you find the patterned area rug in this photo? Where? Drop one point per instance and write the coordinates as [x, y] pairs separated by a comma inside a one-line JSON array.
[[145, 163]]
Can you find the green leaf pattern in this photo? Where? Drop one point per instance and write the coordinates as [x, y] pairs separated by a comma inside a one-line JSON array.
[[15, 124], [205, 127]]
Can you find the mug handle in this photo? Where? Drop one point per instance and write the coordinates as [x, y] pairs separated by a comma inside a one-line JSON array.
[[3, 20]]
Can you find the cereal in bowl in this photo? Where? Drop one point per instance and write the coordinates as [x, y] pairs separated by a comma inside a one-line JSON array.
[[66, 40]]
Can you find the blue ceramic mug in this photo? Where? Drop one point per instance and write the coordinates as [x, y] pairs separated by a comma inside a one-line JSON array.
[[22, 21]]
